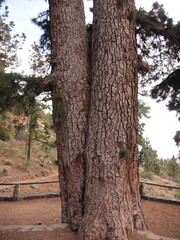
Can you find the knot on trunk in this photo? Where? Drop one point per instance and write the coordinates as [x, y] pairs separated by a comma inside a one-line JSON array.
[[138, 223]]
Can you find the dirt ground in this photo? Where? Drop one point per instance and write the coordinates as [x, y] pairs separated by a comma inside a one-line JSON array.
[[162, 219]]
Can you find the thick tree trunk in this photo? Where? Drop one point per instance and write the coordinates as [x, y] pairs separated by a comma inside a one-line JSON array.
[[112, 198], [70, 92]]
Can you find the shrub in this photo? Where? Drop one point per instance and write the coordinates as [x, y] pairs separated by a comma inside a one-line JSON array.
[[6, 128], [173, 168], [5, 170], [51, 144], [34, 186], [147, 175], [177, 195], [156, 168], [4, 134], [8, 163]]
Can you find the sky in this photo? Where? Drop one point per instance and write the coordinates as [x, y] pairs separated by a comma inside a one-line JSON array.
[[162, 125]]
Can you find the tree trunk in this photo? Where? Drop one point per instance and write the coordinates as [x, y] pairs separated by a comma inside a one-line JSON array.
[[29, 138], [112, 198], [29, 141], [70, 100]]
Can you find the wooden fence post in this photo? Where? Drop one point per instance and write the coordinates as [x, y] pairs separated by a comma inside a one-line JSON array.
[[141, 188], [16, 192]]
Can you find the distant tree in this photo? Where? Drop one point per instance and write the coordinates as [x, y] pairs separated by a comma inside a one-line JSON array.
[[148, 158], [39, 61], [9, 91], [173, 168], [19, 93], [143, 112], [8, 43], [9, 82], [34, 113]]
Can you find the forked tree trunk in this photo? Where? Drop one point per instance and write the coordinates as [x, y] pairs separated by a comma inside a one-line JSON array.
[[69, 76], [112, 198]]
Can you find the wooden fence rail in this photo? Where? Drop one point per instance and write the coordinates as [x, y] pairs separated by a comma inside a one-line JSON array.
[[160, 185], [27, 183]]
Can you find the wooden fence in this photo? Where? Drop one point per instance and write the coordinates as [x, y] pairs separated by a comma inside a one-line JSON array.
[[16, 195], [156, 198]]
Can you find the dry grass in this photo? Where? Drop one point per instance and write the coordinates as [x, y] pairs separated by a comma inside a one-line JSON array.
[[159, 191]]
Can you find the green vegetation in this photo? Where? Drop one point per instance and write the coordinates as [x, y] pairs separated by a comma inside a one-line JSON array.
[[6, 127], [14, 153], [19, 93], [51, 144], [162, 167], [34, 186], [148, 157], [124, 154], [147, 175], [177, 195]]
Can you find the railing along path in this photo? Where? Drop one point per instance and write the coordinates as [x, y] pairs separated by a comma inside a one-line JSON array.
[[16, 195]]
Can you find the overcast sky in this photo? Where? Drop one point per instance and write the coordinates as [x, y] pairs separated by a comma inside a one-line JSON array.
[[163, 124]]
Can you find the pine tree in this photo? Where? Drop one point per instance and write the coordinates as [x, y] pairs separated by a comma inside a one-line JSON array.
[[109, 151], [98, 154], [95, 108]]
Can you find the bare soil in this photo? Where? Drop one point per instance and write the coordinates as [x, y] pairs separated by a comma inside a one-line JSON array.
[[30, 212], [162, 219]]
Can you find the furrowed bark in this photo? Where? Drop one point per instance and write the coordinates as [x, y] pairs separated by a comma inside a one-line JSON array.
[[113, 207], [70, 93]]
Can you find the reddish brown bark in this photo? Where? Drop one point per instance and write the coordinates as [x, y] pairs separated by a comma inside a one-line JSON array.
[[70, 90], [108, 157], [112, 199]]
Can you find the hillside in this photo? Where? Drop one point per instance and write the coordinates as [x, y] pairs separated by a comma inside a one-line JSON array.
[[15, 168], [164, 179]]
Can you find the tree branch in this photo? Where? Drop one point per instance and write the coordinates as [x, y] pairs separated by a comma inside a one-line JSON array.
[[46, 84], [142, 66]]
